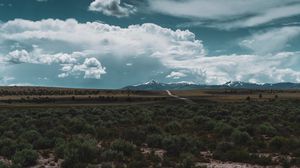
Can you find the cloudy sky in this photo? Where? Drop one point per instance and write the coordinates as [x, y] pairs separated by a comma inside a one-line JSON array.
[[113, 43]]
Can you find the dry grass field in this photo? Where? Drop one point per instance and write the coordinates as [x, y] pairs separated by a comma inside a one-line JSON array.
[[239, 95], [60, 96]]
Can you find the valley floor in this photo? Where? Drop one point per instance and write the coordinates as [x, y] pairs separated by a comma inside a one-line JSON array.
[[236, 128]]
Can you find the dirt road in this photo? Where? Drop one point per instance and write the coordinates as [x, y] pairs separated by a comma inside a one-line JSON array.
[[180, 98]]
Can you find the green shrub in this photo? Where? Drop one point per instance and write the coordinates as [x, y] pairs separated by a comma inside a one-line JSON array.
[[267, 129], [152, 129], [43, 143], [106, 165], [79, 125], [79, 152], [238, 155], [154, 140], [240, 138], [187, 161], [111, 155], [30, 136], [221, 149], [3, 165], [7, 147], [123, 146], [223, 129], [59, 151], [173, 126], [26, 157], [135, 135], [138, 161], [277, 143]]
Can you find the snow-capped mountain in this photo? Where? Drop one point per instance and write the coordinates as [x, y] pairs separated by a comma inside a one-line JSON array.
[[241, 85], [155, 85]]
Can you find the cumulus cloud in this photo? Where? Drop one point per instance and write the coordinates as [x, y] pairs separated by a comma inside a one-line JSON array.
[[97, 40], [18, 56], [112, 8], [176, 75], [89, 48], [271, 41], [36, 56], [91, 68], [272, 68], [227, 14]]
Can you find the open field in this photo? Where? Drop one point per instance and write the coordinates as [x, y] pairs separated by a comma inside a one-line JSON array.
[[60, 96], [240, 95], [18, 96], [76, 128]]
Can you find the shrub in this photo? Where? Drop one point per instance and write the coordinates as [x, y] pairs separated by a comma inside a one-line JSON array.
[[173, 127], [187, 161], [238, 155], [30, 136], [123, 146], [106, 165], [154, 141], [59, 151], [223, 129], [79, 125], [138, 161], [134, 135], [277, 143], [7, 147], [221, 150], [111, 155], [3, 165], [79, 152], [26, 157], [240, 138], [43, 143], [267, 129], [152, 129]]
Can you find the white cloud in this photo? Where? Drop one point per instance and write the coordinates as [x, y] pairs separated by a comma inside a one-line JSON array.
[[19, 56], [176, 75], [220, 69], [112, 8], [21, 84], [80, 48], [94, 39], [227, 14], [37, 56], [267, 16], [271, 41], [91, 67], [5, 80]]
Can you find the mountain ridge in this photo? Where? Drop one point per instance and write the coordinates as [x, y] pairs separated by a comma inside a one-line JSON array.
[[184, 85]]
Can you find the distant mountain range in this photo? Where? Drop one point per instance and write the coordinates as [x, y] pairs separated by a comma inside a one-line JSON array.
[[154, 85]]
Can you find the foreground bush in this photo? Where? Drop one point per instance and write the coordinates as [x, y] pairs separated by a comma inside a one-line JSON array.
[[123, 146], [26, 157], [240, 138], [79, 153]]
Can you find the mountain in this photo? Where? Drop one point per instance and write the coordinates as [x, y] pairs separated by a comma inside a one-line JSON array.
[[155, 85]]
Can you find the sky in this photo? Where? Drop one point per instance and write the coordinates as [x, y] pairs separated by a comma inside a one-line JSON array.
[[115, 43]]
